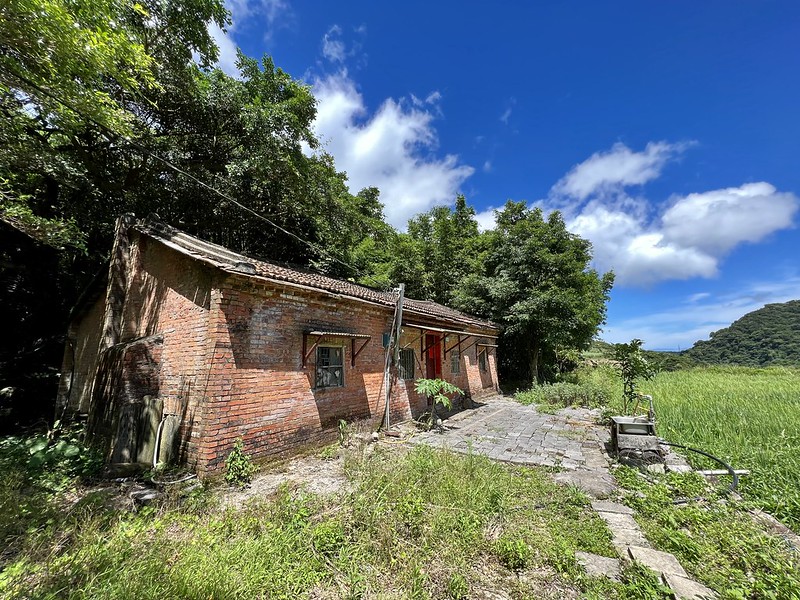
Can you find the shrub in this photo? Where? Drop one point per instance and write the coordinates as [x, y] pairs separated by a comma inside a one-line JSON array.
[[563, 394], [239, 468]]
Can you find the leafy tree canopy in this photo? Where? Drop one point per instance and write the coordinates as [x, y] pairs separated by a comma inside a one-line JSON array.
[[535, 280]]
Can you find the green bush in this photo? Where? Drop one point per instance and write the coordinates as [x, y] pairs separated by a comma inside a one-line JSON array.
[[565, 394], [239, 468]]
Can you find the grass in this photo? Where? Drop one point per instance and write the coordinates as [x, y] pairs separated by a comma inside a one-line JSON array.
[[419, 524], [715, 540], [749, 417]]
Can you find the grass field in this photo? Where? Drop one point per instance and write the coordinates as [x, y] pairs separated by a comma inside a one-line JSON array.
[[749, 417], [421, 524]]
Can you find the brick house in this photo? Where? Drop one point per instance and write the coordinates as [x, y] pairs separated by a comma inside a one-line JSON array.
[[188, 346]]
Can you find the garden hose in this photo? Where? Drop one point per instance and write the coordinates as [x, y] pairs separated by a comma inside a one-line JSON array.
[[735, 477]]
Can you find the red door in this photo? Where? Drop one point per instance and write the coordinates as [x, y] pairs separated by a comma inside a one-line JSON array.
[[433, 357]]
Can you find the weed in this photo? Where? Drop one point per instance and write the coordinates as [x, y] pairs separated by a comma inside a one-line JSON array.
[[717, 542], [513, 553], [457, 587], [239, 468]]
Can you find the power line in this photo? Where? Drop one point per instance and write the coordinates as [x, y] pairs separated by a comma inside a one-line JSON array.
[[113, 136]]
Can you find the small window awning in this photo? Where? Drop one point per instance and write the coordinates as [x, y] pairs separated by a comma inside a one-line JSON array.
[[458, 332], [318, 335]]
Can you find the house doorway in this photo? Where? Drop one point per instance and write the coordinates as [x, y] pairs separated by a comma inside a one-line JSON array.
[[433, 357]]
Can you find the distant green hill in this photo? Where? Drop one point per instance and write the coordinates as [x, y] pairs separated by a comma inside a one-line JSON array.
[[767, 336]]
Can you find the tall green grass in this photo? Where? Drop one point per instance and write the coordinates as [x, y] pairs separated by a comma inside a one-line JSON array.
[[419, 524], [749, 417]]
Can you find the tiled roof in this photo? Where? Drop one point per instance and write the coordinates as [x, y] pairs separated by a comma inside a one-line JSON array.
[[243, 265]]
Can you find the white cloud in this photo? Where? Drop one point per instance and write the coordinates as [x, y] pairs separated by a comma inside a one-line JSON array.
[[681, 327], [487, 166], [622, 242], [391, 148], [486, 219], [644, 243], [266, 12], [616, 168], [718, 220], [227, 50], [332, 45]]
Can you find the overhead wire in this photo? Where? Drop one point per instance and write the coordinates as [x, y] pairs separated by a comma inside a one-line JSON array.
[[115, 136]]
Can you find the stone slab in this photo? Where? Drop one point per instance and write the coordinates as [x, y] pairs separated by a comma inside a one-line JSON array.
[[600, 566], [660, 562], [611, 507], [687, 589], [597, 484]]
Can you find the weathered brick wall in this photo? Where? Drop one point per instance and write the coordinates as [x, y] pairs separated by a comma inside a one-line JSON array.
[[258, 387], [80, 359], [169, 294], [469, 376]]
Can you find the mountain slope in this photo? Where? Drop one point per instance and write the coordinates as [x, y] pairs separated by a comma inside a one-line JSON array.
[[767, 336]]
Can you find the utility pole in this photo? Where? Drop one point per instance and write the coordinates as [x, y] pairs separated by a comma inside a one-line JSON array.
[[393, 351]]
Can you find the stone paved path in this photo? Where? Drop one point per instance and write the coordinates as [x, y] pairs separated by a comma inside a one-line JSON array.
[[508, 431]]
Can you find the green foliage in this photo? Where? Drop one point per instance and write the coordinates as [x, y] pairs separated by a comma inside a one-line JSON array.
[[632, 366], [37, 471], [239, 468], [767, 336], [535, 281], [442, 247], [564, 394], [416, 524], [718, 543], [436, 391], [513, 553]]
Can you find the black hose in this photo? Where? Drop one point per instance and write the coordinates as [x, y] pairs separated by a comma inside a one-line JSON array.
[[731, 472]]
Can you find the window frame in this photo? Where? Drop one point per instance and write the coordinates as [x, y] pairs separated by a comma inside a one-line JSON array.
[[406, 358], [319, 384], [455, 362], [483, 362]]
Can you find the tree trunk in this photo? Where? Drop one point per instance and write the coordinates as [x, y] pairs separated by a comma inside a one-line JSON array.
[[535, 364]]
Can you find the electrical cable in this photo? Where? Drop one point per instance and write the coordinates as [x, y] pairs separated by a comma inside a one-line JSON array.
[[114, 136]]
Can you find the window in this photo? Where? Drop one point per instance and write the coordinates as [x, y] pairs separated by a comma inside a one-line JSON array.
[[482, 360], [455, 362], [407, 363], [330, 366]]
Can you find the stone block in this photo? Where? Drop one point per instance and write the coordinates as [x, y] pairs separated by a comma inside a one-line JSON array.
[[660, 562]]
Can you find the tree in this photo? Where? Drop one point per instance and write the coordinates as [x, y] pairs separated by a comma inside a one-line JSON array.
[[439, 250], [70, 69], [632, 365], [536, 282], [105, 112]]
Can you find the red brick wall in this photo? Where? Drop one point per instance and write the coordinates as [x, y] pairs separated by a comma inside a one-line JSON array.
[[258, 387], [169, 294]]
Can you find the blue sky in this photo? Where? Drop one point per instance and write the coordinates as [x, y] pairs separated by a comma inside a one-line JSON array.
[[668, 133]]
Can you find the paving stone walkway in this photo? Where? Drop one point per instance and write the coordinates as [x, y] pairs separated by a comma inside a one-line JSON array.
[[507, 431]]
